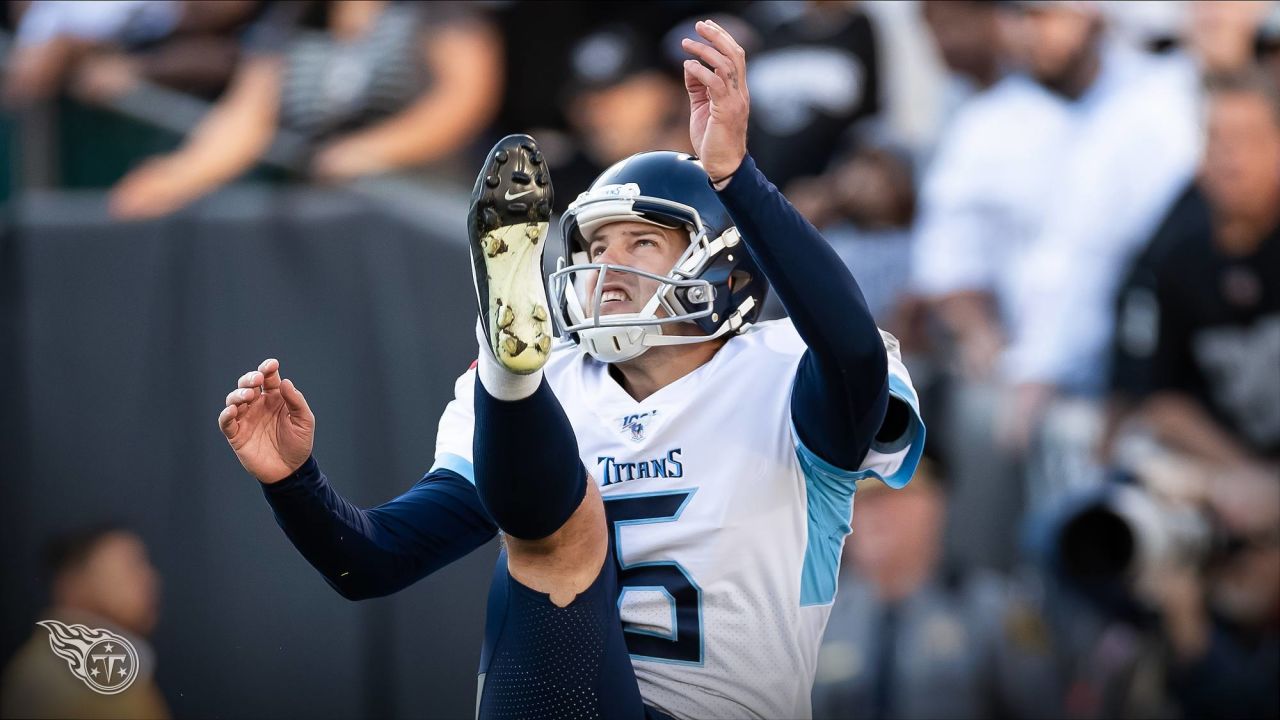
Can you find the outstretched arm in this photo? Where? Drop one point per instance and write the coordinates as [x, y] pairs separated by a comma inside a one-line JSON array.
[[841, 393], [361, 553], [375, 552]]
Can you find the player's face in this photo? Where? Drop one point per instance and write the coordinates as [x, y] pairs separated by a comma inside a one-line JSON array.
[[634, 244]]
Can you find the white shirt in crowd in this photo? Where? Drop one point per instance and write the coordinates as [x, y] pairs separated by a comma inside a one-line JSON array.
[[1043, 201]]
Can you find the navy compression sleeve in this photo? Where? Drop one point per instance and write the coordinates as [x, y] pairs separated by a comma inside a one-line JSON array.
[[841, 389], [375, 552], [528, 474]]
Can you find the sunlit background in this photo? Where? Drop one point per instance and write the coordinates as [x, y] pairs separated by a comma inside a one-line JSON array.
[[1068, 213]]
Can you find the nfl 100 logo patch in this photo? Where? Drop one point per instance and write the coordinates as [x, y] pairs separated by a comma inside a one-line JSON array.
[[636, 423]]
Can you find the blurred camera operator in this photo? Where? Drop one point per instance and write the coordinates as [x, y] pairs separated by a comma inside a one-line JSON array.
[[1222, 624], [1197, 360]]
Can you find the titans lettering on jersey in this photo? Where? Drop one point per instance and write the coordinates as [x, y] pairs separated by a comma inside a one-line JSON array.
[[726, 531], [612, 471]]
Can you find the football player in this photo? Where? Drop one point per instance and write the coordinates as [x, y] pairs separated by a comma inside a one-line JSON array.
[[674, 481]]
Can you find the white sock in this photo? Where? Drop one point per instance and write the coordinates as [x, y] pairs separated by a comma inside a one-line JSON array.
[[498, 381]]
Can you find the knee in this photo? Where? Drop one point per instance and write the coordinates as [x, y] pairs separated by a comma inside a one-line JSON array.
[[568, 560]]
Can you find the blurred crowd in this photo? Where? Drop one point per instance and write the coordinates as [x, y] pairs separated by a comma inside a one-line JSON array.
[[1068, 211]]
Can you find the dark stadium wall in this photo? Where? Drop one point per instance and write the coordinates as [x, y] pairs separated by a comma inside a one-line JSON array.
[[118, 344]]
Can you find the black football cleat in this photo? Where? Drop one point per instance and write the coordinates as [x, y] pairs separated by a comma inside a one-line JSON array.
[[507, 225]]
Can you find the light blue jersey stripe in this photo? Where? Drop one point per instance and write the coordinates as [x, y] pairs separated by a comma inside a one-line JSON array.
[[457, 464], [829, 496]]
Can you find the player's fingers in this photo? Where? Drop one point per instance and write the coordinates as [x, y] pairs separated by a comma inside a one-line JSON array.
[[692, 84], [227, 420], [251, 379], [708, 55], [242, 396], [722, 39], [270, 369], [293, 397], [724, 42], [712, 82]]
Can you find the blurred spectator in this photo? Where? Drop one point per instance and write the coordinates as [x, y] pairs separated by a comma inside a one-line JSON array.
[[1040, 192], [1128, 143], [865, 207], [534, 99], [102, 578], [865, 203], [814, 76], [967, 35], [104, 48], [1197, 353], [1220, 34], [908, 640], [619, 101], [1267, 42], [370, 87], [1199, 340]]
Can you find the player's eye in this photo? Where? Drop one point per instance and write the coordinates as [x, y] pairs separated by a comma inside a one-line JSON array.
[[596, 251]]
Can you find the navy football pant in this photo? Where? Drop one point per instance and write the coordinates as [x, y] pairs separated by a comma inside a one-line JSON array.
[[542, 661]]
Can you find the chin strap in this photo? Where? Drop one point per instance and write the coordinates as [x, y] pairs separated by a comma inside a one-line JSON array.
[[732, 325], [622, 343]]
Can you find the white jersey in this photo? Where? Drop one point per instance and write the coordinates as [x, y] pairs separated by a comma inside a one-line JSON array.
[[727, 530]]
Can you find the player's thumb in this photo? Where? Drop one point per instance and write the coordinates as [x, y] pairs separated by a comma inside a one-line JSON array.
[[293, 398]]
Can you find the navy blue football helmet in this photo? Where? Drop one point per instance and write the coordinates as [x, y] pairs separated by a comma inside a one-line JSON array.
[[715, 283]]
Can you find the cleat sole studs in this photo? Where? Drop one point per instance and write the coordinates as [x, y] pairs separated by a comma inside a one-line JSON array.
[[494, 246], [512, 345]]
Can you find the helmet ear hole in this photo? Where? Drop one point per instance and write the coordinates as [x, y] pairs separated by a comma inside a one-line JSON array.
[[738, 280]]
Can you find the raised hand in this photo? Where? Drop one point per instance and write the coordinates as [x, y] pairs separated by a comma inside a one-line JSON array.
[[268, 424], [718, 99]]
